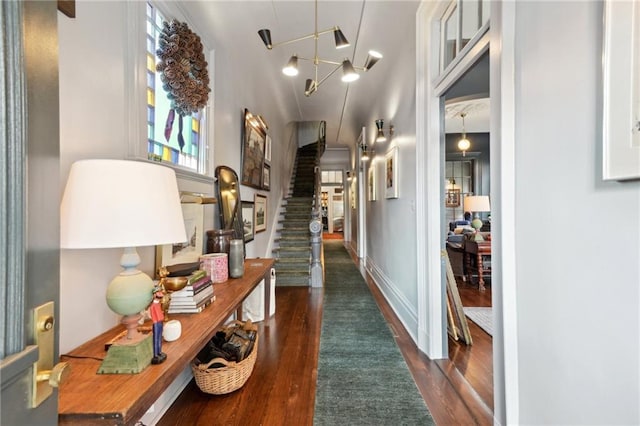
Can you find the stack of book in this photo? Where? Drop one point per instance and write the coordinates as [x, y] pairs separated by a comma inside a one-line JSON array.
[[197, 294]]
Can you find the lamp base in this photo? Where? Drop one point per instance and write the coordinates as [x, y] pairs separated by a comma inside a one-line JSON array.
[[477, 224], [128, 356]]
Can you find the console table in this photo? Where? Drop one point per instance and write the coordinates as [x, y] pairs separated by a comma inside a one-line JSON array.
[[475, 253], [88, 398]]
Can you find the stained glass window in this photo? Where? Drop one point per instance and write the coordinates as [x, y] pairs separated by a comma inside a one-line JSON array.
[[163, 125]]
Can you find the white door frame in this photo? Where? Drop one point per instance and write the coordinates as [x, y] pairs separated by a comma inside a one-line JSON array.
[[432, 336]]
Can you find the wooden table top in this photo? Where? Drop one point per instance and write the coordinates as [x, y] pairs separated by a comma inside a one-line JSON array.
[[89, 398]]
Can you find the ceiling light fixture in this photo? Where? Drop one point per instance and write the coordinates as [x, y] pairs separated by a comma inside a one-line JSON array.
[[463, 144], [349, 73]]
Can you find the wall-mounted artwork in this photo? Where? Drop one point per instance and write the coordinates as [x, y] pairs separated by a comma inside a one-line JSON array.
[[621, 97], [371, 182], [190, 250], [452, 198], [267, 150], [266, 177], [260, 213], [247, 216], [391, 173], [253, 144]]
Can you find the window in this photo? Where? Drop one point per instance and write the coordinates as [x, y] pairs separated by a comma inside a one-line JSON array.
[[332, 177], [163, 125], [460, 23], [459, 181]]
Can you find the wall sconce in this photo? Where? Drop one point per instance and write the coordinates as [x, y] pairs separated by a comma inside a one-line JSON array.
[[349, 176], [365, 152], [380, 137], [463, 144]]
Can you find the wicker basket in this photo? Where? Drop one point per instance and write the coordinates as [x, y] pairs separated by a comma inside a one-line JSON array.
[[223, 380]]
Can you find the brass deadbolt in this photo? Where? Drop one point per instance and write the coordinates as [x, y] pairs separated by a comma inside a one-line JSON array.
[[46, 323]]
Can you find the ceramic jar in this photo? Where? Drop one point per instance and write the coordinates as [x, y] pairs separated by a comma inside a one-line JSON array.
[[218, 240]]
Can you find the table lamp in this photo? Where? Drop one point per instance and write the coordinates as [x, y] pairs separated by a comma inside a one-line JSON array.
[[126, 204], [477, 204]]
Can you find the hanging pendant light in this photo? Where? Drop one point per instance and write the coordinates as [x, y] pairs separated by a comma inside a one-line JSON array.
[[292, 67], [463, 144], [348, 69]]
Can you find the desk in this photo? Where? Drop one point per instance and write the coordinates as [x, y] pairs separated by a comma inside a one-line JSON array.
[[475, 253], [88, 398]]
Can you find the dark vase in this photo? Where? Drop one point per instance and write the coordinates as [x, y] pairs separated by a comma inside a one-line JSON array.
[[218, 240]]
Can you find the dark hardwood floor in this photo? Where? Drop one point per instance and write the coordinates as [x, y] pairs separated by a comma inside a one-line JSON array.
[[281, 390]]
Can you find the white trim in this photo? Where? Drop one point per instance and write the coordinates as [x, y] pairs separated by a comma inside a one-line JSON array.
[[135, 80], [503, 176], [135, 109], [465, 60], [361, 198], [401, 306], [431, 335]]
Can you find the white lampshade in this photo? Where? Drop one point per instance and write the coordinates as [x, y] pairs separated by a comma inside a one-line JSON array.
[[119, 203], [477, 203]]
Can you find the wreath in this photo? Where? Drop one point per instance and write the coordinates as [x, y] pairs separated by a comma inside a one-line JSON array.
[[183, 68]]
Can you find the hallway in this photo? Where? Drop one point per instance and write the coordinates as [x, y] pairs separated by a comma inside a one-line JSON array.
[[282, 387]]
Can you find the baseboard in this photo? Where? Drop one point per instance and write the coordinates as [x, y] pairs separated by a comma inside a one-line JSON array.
[[401, 306], [162, 404]]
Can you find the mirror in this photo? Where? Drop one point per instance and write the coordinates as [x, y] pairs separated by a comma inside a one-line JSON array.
[[229, 201]]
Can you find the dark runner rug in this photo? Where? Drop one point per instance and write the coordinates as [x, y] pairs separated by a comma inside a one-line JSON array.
[[362, 376]]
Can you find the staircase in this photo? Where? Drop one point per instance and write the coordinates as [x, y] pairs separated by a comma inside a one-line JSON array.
[[293, 253]]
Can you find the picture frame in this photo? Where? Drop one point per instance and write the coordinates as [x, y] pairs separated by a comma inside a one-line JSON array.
[[621, 92], [192, 249], [371, 183], [253, 148], [267, 150], [452, 198], [260, 213], [248, 220], [391, 173], [266, 177]]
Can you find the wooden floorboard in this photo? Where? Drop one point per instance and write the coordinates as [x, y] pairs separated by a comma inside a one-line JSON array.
[[281, 390]]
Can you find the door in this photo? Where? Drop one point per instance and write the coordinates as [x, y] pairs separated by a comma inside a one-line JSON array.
[[30, 198]]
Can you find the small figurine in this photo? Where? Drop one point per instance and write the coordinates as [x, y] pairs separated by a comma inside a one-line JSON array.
[[157, 316]]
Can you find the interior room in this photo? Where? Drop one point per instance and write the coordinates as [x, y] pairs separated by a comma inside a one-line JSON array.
[[168, 166]]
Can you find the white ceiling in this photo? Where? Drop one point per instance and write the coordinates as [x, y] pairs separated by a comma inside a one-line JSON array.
[[379, 25], [476, 119]]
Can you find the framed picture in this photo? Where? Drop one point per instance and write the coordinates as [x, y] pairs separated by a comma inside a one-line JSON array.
[[253, 143], [247, 219], [191, 250], [267, 150], [266, 177], [452, 198], [621, 97], [391, 173], [260, 213], [371, 182]]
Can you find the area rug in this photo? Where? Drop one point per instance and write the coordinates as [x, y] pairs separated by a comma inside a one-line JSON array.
[[481, 316], [362, 376]]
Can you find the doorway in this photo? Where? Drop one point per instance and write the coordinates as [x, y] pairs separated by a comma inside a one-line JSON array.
[[332, 204], [440, 77], [467, 174]]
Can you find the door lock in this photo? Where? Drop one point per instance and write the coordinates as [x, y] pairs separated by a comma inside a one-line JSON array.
[[46, 376]]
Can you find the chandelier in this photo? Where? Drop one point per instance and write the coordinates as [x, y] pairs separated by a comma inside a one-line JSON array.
[[349, 73]]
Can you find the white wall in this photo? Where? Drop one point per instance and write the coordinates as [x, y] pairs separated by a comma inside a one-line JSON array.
[[93, 96], [577, 238], [391, 223]]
